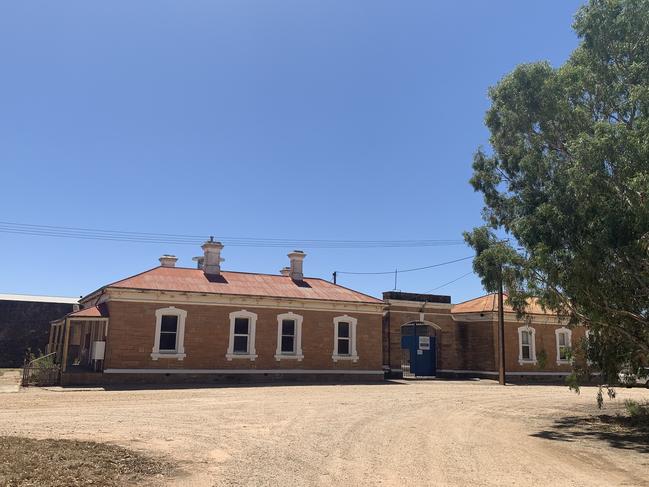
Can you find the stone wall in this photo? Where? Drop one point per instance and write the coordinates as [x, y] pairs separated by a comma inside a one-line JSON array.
[[26, 325]]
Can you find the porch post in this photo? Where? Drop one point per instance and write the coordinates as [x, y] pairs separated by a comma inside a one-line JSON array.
[[64, 358], [51, 339], [59, 339]]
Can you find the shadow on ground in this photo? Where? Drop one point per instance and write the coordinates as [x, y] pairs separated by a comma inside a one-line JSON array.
[[618, 431]]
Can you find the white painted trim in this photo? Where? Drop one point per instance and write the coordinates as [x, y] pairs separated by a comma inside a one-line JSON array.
[[424, 323], [568, 332], [391, 311], [297, 355], [179, 354], [532, 359], [179, 297], [509, 318], [417, 304], [353, 354], [244, 371], [252, 328]]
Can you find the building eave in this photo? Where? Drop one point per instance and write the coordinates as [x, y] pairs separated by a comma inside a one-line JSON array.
[[189, 297]]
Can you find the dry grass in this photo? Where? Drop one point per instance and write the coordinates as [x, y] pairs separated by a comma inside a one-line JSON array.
[[57, 463]]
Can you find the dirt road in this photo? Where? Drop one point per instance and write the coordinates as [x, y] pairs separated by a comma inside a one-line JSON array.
[[411, 433]]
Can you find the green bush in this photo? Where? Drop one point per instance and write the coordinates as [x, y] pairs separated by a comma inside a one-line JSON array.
[[638, 412]]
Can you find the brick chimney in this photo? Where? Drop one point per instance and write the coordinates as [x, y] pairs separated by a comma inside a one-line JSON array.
[[295, 270], [285, 271], [168, 260], [212, 257]]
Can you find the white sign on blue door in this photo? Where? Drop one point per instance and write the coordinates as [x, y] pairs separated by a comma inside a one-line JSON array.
[[424, 343]]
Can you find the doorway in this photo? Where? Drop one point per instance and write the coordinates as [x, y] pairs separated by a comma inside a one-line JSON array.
[[418, 350]]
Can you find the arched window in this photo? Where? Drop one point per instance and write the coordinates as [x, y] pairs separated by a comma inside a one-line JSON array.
[[243, 325], [526, 345], [289, 337], [169, 339], [345, 339]]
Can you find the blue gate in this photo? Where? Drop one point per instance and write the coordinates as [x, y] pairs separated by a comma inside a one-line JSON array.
[[422, 354]]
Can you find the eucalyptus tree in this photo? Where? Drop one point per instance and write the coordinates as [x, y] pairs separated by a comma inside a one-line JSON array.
[[566, 178]]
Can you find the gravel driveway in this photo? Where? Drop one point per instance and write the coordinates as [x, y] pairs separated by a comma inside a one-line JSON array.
[[404, 433]]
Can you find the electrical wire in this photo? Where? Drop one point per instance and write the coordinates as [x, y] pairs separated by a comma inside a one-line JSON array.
[[179, 239], [400, 271], [449, 282]]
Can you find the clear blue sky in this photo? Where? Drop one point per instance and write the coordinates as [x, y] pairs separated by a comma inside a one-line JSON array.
[[278, 119]]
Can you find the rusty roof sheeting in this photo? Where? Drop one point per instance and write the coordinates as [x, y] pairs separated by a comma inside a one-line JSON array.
[[100, 311], [241, 283], [489, 304]]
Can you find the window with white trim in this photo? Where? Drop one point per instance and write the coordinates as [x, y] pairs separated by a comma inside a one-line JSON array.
[[169, 334], [345, 338], [242, 335], [564, 339], [289, 336], [526, 345]]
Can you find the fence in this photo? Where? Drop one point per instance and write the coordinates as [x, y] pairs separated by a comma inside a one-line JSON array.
[[42, 371]]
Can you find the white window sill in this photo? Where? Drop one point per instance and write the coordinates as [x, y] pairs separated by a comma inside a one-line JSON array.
[[353, 358], [526, 362], [249, 356], [564, 362], [177, 356], [289, 356]]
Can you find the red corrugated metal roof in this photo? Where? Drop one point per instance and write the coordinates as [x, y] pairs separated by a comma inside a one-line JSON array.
[[99, 311], [489, 303], [241, 283]]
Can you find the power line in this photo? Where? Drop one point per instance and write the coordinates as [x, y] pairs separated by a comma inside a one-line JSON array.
[[407, 270], [180, 239], [450, 282]]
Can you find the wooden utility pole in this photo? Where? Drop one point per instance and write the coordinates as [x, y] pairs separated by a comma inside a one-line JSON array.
[[501, 333]]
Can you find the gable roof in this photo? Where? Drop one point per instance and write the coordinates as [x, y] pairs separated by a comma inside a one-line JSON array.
[[99, 311], [240, 283], [489, 303]]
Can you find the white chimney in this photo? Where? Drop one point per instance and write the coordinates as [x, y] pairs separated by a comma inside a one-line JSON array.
[[212, 257], [295, 271], [199, 261], [168, 260], [285, 271]]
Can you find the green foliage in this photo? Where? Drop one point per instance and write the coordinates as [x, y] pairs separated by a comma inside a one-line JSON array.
[[39, 359], [542, 359], [43, 368], [567, 179], [638, 413]]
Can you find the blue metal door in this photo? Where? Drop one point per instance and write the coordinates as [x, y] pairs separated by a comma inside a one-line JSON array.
[[422, 352]]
